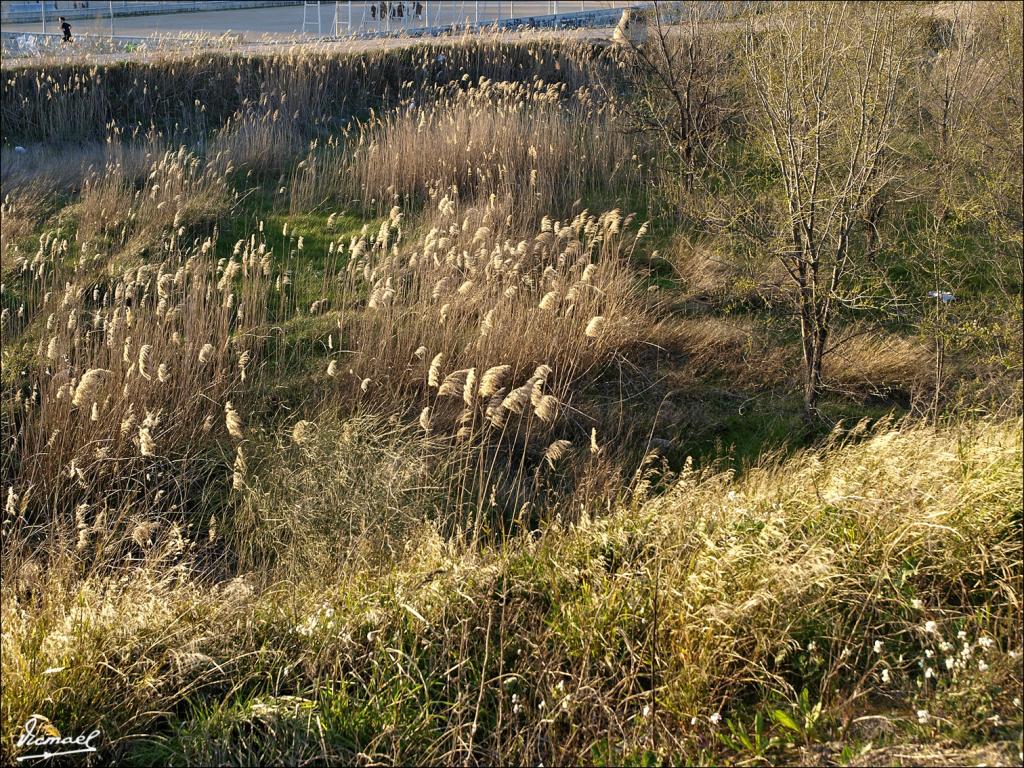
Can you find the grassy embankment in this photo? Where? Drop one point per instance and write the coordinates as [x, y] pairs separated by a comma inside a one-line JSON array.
[[338, 427]]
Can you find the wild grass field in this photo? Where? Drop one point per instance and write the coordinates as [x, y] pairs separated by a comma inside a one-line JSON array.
[[533, 402]]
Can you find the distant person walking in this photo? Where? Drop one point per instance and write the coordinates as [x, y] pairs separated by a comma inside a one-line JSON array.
[[66, 29]]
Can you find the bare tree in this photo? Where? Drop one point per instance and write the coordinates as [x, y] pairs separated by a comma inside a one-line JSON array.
[[677, 78], [955, 86], [1003, 25], [970, 132], [828, 85]]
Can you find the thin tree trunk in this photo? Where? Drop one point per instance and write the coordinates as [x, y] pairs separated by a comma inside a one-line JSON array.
[[813, 338]]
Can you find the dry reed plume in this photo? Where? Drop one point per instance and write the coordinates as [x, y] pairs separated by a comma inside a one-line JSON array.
[[352, 414]]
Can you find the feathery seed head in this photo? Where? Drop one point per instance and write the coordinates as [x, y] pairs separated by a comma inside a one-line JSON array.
[[147, 446], [454, 383], [145, 358], [302, 432], [547, 408], [232, 420], [493, 379], [239, 470], [556, 451], [518, 398], [549, 301], [595, 327], [434, 373], [88, 385], [469, 388]]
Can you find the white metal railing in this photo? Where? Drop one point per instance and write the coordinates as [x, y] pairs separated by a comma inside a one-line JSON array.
[[424, 17], [382, 16]]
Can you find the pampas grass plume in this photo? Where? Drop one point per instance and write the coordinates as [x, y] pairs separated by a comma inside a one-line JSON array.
[[86, 390], [493, 379], [454, 383], [434, 374], [145, 357], [232, 420], [518, 398], [546, 408], [147, 446], [239, 470], [556, 451], [469, 389], [302, 432]]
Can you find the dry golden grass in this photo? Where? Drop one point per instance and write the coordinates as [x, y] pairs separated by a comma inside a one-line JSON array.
[[129, 366], [702, 272], [520, 142], [709, 272], [843, 568], [873, 362], [737, 348], [864, 363], [342, 440]]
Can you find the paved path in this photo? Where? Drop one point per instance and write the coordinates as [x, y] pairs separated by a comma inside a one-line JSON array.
[[283, 23]]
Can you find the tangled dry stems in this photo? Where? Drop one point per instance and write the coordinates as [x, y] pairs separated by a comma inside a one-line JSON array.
[[448, 549]]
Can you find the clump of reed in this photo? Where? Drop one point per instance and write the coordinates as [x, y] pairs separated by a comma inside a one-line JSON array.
[[461, 291], [536, 143], [739, 348], [419, 333], [392, 501], [190, 93], [130, 374], [129, 216]]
